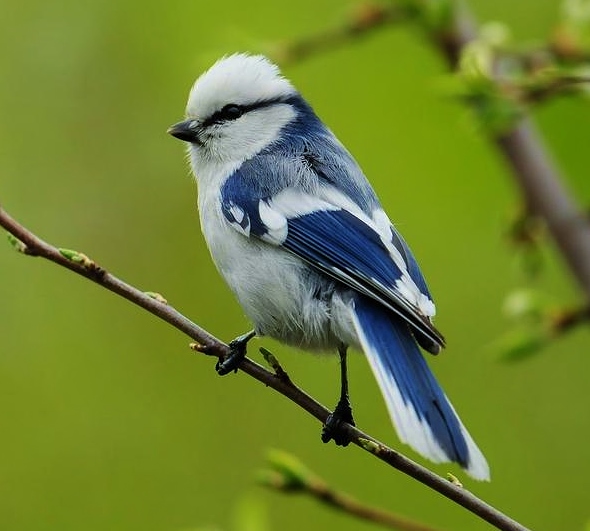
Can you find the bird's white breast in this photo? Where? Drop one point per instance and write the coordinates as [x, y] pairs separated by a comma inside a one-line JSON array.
[[267, 280]]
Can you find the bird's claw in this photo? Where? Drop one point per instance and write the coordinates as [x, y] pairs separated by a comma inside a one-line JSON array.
[[335, 427], [237, 353]]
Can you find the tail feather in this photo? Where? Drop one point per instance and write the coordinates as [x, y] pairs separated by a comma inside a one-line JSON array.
[[421, 413]]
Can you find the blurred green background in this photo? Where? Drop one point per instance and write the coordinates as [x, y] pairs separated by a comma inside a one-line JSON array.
[[108, 421]]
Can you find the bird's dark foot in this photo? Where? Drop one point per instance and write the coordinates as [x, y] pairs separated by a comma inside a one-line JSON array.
[[335, 426], [237, 352]]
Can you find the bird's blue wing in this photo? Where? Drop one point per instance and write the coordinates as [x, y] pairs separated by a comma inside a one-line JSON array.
[[348, 249], [413, 268], [328, 232]]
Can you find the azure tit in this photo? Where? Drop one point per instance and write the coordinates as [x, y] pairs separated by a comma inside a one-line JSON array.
[[299, 235]]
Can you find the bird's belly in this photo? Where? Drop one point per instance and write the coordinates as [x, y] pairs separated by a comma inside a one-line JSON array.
[[278, 292]]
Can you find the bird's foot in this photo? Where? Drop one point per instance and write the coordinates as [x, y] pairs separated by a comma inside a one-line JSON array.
[[237, 352], [335, 426]]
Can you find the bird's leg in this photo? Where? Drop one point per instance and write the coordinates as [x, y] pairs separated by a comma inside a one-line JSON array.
[[333, 428], [237, 352]]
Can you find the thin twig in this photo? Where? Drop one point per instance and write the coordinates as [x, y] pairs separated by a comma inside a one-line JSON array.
[[287, 474], [350, 505], [271, 359], [367, 18], [567, 319], [541, 184], [37, 247], [560, 86], [547, 197]]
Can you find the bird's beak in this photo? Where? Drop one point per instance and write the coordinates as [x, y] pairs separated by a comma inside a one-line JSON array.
[[185, 131]]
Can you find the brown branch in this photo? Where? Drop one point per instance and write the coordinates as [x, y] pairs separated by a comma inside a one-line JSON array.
[[566, 320], [540, 183], [30, 244], [325, 494], [287, 474], [367, 18], [560, 86], [547, 197]]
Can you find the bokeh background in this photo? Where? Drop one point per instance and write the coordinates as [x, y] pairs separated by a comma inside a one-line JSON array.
[[109, 421]]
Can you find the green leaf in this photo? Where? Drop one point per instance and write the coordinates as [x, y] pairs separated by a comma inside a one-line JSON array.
[[526, 305], [286, 472], [572, 36], [156, 296], [521, 343], [16, 243], [369, 445], [71, 255]]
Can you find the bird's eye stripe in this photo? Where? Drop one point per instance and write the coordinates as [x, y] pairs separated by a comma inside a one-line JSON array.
[[229, 112], [233, 111]]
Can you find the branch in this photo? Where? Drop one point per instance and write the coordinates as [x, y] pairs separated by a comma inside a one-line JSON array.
[[547, 197], [287, 474], [367, 18], [536, 322], [540, 183], [560, 85], [30, 244], [567, 319]]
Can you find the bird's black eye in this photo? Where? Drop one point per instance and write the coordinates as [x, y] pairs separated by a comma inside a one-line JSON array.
[[230, 112]]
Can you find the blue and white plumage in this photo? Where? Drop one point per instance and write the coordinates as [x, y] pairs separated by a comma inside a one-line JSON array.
[[299, 235]]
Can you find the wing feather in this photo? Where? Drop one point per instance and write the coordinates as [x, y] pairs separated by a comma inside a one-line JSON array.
[[345, 245]]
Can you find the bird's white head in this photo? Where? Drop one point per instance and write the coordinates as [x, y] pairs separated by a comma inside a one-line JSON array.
[[235, 109]]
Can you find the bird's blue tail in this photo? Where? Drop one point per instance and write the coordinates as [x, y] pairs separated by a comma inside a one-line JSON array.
[[421, 413]]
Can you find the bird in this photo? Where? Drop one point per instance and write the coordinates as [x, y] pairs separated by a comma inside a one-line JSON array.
[[299, 235]]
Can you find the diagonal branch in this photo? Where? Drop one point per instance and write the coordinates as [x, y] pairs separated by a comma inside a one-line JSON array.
[[540, 183], [30, 244], [547, 197]]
